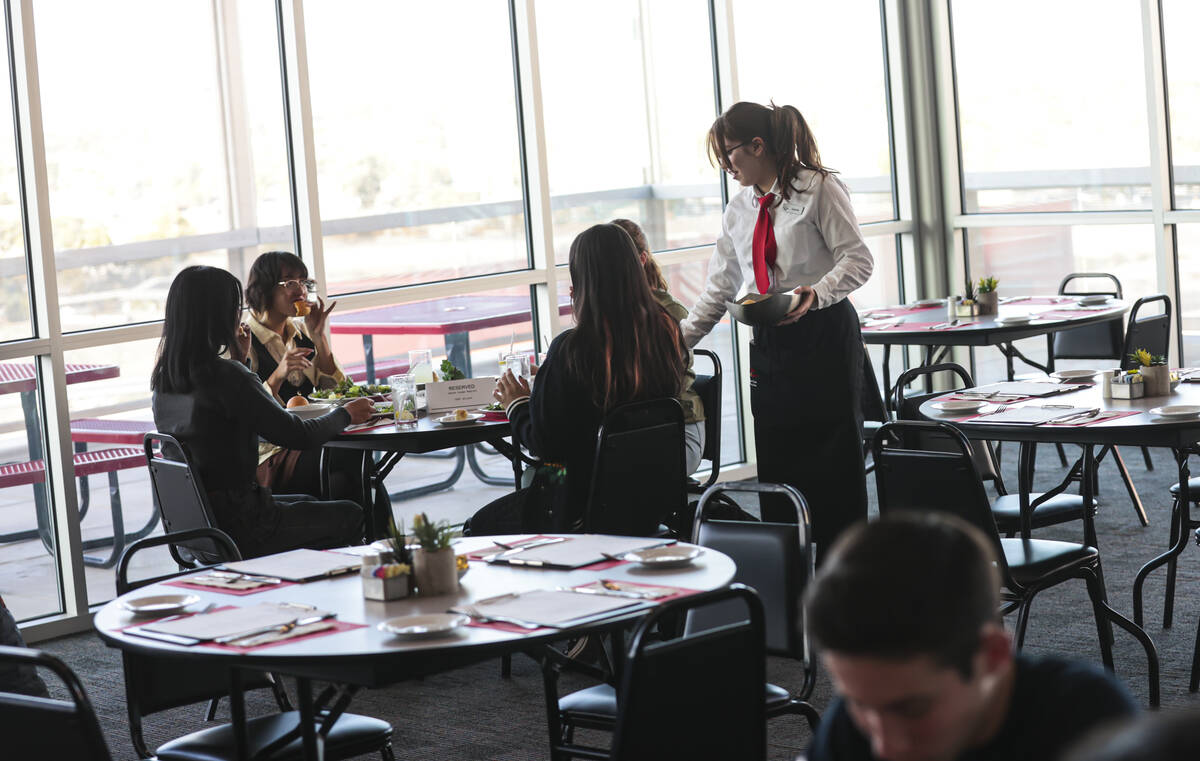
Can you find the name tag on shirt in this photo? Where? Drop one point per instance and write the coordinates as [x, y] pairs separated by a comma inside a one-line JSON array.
[[792, 209]]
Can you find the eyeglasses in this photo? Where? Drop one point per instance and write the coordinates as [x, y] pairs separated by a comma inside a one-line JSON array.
[[291, 285], [739, 145]]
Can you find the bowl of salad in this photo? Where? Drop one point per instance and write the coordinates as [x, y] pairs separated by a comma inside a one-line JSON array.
[[346, 390]]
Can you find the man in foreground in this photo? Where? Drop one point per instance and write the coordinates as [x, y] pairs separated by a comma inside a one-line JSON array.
[[905, 612]]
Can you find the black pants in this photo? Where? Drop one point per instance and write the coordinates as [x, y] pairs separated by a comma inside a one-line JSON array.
[[805, 394], [345, 482]]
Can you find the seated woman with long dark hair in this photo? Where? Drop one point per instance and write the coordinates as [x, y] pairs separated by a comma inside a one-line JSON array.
[[624, 348], [219, 409]]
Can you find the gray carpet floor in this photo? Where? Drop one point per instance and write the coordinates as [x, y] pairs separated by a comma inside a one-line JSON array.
[[472, 713]]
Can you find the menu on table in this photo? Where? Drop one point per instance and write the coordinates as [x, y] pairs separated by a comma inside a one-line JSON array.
[[578, 550], [1023, 388], [231, 622], [297, 565], [556, 608], [1030, 415]]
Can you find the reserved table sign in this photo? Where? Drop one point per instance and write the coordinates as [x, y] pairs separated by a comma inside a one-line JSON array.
[[468, 394]]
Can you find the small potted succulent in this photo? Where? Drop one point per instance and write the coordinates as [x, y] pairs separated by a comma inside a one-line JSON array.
[[985, 296], [389, 575], [434, 561], [1154, 371]]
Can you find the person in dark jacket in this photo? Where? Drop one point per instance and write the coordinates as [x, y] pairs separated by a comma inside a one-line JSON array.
[[624, 348], [218, 408]]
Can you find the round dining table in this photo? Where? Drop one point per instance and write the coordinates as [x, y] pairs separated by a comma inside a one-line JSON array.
[[366, 656], [929, 324], [1138, 425]]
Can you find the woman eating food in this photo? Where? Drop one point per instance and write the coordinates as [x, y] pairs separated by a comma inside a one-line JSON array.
[[693, 407], [218, 408], [624, 348], [290, 351]]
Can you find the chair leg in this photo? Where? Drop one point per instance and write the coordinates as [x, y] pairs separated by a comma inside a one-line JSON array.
[[505, 666], [1129, 487], [1062, 454], [1146, 457], [1177, 519], [386, 753], [1103, 627], [1022, 621], [211, 714], [1195, 679], [809, 713]]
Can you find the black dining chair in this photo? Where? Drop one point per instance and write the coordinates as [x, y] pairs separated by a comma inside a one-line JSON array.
[[181, 500], [774, 559], [638, 476], [904, 466], [1152, 333], [157, 683], [1101, 340], [35, 727], [1006, 508], [708, 387], [693, 696]]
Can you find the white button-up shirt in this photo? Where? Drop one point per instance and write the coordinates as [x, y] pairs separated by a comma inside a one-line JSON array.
[[817, 242]]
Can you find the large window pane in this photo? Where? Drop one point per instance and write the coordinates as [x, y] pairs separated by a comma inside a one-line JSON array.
[[1051, 119], [151, 166], [110, 411], [28, 568], [1180, 19], [418, 163], [847, 111], [627, 105], [1188, 242], [1033, 260], [14, 279], [883, 288]]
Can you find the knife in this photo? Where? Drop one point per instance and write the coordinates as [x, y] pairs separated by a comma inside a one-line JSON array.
[[273, 628], [516, 550], [606, 592]]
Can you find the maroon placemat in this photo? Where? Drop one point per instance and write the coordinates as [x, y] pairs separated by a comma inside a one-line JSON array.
[[885, 312], [918, 326], [1041, 300], [1055, 314], [176, 615], [1093, 421], [495, 416], [236, 592], [480, 554], [679, 591], [339, 626], [503, 627]]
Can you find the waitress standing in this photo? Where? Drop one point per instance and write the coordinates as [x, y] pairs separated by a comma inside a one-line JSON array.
[[791, 229]]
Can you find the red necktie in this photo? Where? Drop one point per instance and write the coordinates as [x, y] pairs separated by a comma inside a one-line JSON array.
[[764, 244]]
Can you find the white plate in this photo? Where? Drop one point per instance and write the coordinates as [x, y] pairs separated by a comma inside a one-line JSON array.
[[964, 405], [159, 604], [1015, 319], [670, 556], [426, 626], [1075, 374], [1093, 300], [315, 409], [929, 303], [1177, 411], [451, 420]]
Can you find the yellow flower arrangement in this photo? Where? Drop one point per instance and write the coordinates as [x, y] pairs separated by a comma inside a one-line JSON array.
[[1145, 359]]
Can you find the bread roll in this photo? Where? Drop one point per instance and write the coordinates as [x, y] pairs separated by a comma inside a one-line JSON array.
[[297, 401], [301, 306]]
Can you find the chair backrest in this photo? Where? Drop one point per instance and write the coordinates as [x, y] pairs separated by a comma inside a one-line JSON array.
[[907, 407], [709, 388], [872, 402], [910, 476], [33, 727], [1100, 340], [156, 683], [180, 497], [639, 476], [1151, 333], [775, 559], [699, 696]]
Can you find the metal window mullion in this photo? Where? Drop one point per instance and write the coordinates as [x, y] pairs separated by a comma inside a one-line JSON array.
[[1053, 219], [239, 161], [54, 408], [537, 171], [298, 124], [1165, 265]]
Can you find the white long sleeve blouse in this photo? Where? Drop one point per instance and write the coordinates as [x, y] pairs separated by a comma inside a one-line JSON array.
[[817, 240]]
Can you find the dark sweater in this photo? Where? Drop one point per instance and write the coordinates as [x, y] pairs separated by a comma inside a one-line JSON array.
[[1055, 702], [221, 423]]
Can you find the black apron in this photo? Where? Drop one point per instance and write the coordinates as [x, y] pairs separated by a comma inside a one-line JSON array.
[[805, 387], [265, 365]]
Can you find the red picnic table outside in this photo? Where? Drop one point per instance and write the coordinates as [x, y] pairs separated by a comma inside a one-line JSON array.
[[453, 317], [20, 377]]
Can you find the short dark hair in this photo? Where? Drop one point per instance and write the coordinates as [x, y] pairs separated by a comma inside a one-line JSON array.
[[265, 273], [204, 306], [907, 585]]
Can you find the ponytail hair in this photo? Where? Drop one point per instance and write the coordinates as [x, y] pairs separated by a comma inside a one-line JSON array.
[[654, 275], [785, 135]]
